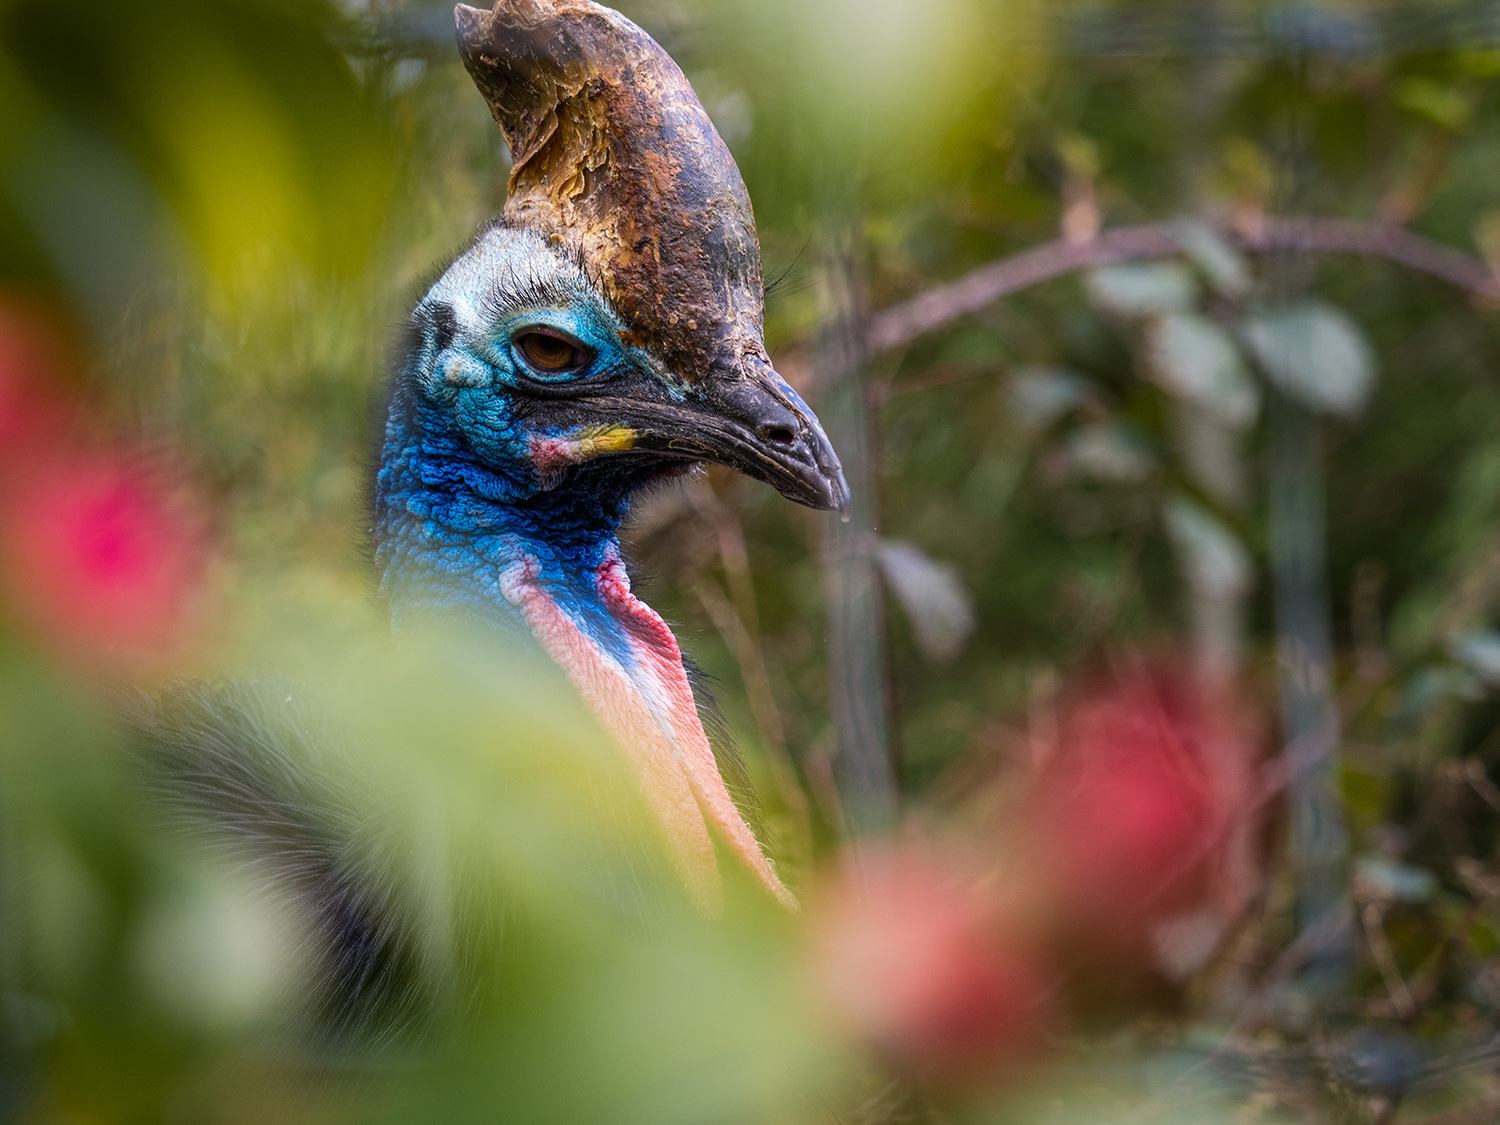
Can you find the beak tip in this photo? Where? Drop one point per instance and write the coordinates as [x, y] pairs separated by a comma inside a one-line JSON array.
[[832, 486], [839, 487]]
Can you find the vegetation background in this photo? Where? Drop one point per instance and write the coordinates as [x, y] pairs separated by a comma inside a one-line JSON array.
[[1223, 493]]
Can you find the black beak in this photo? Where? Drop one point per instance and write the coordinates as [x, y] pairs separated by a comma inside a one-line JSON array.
[[753, 422], [761, 427]]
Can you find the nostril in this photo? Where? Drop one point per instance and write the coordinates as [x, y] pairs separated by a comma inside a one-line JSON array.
[[777, 435]]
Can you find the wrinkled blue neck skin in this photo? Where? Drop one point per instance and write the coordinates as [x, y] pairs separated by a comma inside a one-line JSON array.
[[458, 498]]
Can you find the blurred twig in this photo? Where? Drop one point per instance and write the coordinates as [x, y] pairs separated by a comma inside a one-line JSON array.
[[1305, 653], [904, 322], [1372, 918], [1334, 921], [859, 693], [1168, 30]]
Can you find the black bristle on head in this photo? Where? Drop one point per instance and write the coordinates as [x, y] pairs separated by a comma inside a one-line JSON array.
[[796, 277]]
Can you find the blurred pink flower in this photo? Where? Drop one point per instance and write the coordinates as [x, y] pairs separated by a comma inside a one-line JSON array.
[[100, 559], [914, 965], [1140, 814]]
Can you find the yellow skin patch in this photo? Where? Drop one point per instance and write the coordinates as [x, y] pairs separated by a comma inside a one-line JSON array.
[[604, 439], [551, 454]]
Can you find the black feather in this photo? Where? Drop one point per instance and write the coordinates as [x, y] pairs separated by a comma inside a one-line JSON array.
[[245, 766]]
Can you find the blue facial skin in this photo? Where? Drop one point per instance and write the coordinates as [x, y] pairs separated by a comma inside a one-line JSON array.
[[458, 498]]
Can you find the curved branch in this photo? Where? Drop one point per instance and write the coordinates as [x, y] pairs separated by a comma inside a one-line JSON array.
[[1379, 240], [904, 322]]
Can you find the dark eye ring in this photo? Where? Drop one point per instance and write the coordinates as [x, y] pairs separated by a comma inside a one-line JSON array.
[[550, 353]]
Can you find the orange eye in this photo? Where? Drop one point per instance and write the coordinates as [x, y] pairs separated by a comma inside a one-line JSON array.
[[549, 353]]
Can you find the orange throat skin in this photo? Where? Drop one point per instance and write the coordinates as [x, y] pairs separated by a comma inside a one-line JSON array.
[[646, 703]]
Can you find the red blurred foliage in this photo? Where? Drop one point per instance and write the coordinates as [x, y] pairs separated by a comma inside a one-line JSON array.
[[1126, 857], [1141, 815], [33, 412], [912, 963], [101, 560]]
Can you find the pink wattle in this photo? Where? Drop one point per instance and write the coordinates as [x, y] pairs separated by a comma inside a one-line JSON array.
[[649, 709]]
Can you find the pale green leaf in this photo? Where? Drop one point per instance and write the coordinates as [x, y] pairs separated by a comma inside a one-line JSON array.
[[1221, 264], [1192, 358], [1479, 653], [1314, 353], [933, 596], [1039, 396], [1212, 557], [1137, 290], [1378, 876], [1108, 452]]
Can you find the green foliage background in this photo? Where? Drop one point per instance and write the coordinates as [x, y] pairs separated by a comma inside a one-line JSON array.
[[235, 202]]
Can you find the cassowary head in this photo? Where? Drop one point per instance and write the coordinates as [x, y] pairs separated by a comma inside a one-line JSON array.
[[604, 332]]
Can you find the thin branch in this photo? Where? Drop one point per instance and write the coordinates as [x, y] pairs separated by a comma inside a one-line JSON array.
[[1372, 916], [904, 322], [1486, 789], [1253, 1010], [1379, 240]]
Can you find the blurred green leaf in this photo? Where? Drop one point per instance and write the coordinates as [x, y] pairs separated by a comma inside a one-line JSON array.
[[1398, 882], [1439, 102], [1224, 267], [1108, 452], [1193, 358], [1142, 290], [1039, 396], [1214, 559], [1479, 653], [934, 598], [1315, 353]]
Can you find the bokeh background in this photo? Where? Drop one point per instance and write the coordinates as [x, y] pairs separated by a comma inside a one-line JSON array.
[[1135, 744]]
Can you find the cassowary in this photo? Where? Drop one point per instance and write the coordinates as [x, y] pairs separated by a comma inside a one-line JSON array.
[[603, 333]]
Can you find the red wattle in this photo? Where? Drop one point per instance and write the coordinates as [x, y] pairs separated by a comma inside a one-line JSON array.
[[665, 685], [649, 709]]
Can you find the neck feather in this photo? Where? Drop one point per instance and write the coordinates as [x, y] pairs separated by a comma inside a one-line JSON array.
[[455, 535]]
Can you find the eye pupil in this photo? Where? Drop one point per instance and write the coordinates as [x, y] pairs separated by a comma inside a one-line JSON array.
[[548, 352]]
